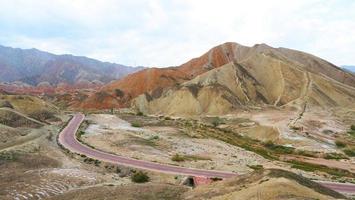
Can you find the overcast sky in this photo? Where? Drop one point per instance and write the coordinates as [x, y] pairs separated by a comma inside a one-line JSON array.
[[170, 32]]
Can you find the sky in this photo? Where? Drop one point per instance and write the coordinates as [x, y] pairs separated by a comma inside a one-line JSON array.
[[164, 33]]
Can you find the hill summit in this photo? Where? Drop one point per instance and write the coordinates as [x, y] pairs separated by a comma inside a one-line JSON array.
[[231, 76]]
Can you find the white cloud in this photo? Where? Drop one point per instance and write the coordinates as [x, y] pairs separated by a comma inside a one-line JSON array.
[[164, 33]]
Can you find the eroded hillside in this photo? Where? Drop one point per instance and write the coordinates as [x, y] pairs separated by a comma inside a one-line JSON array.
[[257, 75]]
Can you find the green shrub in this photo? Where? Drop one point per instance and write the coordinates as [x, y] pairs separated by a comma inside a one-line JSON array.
[[139, 113], [313, 167], [97, 163], [279, 148], [352, 130], [306, 153], [335, 156], [140, 177], [136, 124], [296, 128], [340, 144], [81, 133], [177, 158], [350, 152], [216, 121], [256, 167], [269, 144], [8, 156], [155, 137], [119, 93]]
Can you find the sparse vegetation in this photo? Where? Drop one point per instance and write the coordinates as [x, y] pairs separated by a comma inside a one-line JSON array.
[[279, 148], [50, 136], [352, 130], [195, 157], [340, 144], [335, 156], [296, 128], [306, 153], [119, 93], [178, 158], [140, 177], [27, 160], [97, 163], [155, 137], [43, 115], [350, 152], [139, 113], [101, 96], [136, 124], [6, 104], [313, 167], [80, 133], [8, 156], [216, 121], [181, 158], [256, 167]]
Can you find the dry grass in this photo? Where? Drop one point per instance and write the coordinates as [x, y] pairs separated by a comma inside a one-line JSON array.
[[13, 119], [26, 160], [27, 104]]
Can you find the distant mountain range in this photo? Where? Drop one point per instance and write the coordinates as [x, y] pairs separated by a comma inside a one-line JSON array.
[[34, 67], [350, 68]]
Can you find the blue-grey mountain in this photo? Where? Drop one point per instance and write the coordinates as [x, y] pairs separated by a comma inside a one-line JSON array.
[[32, 66]]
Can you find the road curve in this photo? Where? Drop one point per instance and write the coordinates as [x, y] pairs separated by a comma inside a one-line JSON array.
[[68, 139], [339, 187]]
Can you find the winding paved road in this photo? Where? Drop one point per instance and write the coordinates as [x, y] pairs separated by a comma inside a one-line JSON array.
[[68, 139]]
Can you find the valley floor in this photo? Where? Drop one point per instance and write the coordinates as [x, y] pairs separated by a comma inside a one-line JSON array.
[[35, 167]]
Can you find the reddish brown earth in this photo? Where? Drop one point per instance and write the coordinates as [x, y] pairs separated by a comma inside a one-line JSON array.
[[265, 62], [154, 80]]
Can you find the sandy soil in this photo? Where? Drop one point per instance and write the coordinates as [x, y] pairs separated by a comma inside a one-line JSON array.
[[314, 130]]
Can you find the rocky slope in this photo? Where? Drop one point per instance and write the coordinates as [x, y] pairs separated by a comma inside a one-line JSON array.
[[234, 86], [155, 80], [38, 68], [257, 76]]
